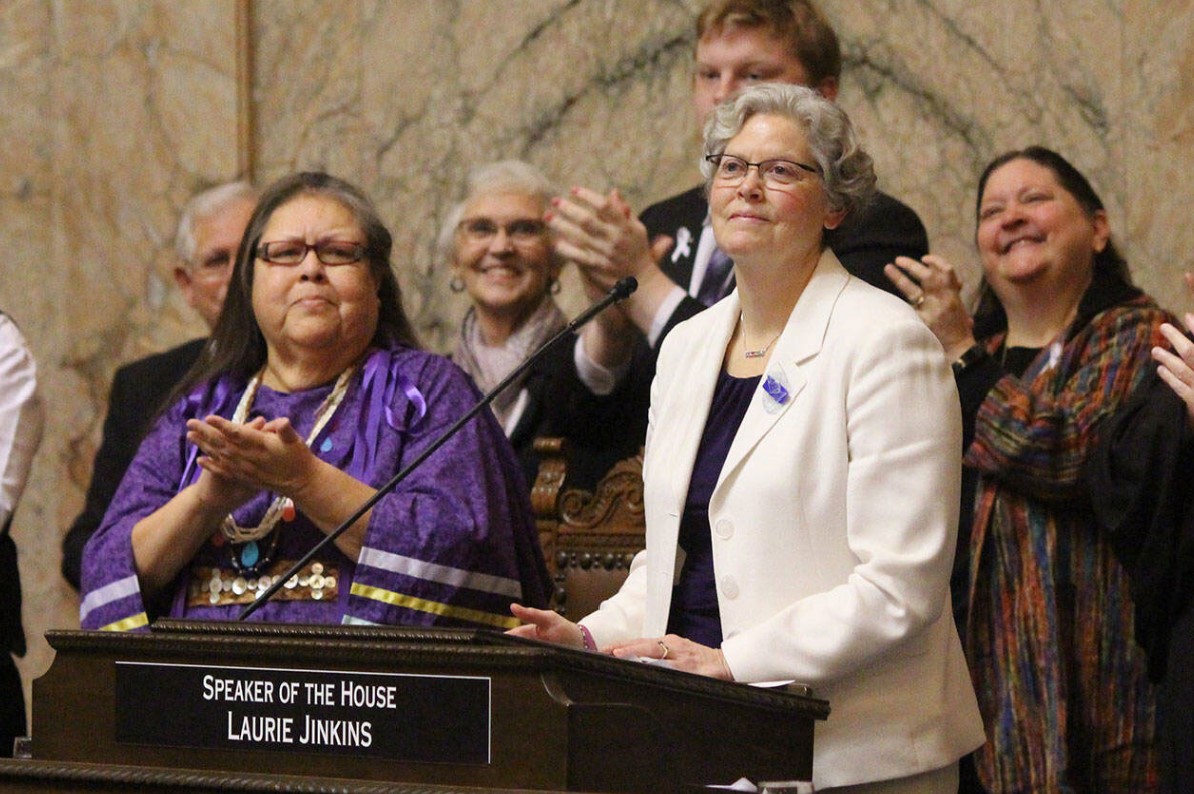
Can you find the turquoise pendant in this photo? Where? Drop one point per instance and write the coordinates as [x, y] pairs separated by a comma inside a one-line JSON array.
[[249, 554]]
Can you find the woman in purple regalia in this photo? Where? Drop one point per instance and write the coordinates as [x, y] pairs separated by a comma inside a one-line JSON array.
[[311, 394]]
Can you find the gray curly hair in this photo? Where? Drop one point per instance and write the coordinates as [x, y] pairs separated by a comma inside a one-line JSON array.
[[846, 170], [503, 176]]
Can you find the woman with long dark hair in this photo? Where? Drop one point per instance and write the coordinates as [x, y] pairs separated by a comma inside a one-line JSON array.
[[1060, 339], [310, 395]]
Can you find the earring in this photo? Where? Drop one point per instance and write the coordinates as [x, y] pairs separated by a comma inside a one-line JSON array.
[[456, 284], [553, 286]]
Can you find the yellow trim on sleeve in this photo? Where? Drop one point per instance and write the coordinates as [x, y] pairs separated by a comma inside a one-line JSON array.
[[433, 607], [128, 624]]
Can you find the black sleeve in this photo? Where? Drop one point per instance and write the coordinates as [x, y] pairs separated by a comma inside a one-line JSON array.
[[688, 307], [1139, 479], [883, 230], [122, 433], [12, 633], [974, 384], [600, 429], [138, 391]]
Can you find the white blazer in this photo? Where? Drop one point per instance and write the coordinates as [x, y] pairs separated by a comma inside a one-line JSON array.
[[834, 522]]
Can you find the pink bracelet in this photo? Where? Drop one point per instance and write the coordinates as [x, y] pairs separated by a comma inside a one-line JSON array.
[[586, 637]]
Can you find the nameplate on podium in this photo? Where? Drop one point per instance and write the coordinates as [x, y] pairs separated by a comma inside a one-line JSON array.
[[400, 716]]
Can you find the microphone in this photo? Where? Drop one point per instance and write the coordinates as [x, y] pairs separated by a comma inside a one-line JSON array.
[[618, 292]]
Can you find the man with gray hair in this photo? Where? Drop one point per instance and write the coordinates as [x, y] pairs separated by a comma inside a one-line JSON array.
[[206, 241]]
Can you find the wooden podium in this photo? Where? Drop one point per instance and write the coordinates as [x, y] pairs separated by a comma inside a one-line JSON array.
[[191, 705]]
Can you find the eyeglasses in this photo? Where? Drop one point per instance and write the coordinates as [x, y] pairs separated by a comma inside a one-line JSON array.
[[520, 230], [731, 171], [214, 267], [292, 252]]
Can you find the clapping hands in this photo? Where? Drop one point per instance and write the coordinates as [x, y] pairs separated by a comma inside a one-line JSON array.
[[1176, 367], [238, 460], [933, 288]]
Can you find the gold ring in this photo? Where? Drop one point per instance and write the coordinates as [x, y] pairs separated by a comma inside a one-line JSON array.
[[663, 645], [919, 300]]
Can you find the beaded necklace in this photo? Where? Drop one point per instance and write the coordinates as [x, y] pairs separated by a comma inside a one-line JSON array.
[[246, 553]]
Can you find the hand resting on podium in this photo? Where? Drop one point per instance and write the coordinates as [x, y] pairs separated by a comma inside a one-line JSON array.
[[677, 652]]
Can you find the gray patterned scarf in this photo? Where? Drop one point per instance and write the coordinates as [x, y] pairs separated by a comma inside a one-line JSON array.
[[488, 365]]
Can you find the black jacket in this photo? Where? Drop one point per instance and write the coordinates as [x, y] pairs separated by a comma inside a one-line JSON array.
[[1140, 486], [599, 431], [138, 390]]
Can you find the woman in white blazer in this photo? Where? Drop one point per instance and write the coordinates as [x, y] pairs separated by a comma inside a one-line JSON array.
[[802, 471]]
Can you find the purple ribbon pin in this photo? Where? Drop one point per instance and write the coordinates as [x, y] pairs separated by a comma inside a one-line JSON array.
[[775, 390]]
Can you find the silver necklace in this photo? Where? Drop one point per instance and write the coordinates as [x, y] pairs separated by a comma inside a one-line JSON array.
[[746, 350]]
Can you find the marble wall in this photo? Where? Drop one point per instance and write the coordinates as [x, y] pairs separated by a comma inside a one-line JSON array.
[[116, 110]]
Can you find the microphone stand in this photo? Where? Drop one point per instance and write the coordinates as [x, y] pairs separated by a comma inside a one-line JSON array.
[[619, 291]]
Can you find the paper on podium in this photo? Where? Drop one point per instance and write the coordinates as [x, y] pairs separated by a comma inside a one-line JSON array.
[[786, 787]]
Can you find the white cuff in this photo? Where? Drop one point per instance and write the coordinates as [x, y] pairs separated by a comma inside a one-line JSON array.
[[599, 380]]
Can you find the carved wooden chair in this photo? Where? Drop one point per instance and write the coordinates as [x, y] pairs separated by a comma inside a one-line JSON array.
[[589, 539]]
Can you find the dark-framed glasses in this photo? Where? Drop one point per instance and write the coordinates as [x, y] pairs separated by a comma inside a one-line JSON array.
[[520, 230], [731, 171], [292, 252]]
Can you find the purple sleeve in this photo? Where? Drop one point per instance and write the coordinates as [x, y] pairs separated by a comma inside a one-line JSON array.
[[455, 544], [111, 594]]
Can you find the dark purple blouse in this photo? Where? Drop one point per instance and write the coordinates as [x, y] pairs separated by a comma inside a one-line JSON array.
[[694, 614]]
